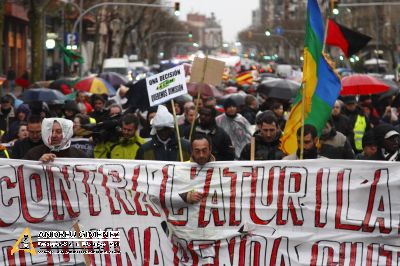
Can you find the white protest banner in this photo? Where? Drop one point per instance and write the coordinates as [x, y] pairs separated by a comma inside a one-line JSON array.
[[316, 212], [166, 85]]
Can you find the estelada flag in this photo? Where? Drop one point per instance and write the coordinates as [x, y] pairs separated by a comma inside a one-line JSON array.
[[244, 78], [348, 40]]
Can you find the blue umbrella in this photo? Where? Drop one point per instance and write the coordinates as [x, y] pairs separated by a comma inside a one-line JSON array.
[[44, 95]]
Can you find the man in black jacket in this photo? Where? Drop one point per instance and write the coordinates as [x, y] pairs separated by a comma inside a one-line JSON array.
[[266, 141], [388, 140], [221, 142], [335, 145], [164, 144], [21, 147]]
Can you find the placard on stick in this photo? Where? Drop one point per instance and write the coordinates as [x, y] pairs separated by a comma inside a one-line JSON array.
[[212, 74]]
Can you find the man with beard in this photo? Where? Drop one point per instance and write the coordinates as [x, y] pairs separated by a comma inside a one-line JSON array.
[[388, 140], [164, 144], [220, 140], [310, 141], [334, 145], [235, 125], [266, 141], [129, 142]]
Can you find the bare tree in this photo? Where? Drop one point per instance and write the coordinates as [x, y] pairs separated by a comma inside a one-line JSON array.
[[2, 6], [37, 21]]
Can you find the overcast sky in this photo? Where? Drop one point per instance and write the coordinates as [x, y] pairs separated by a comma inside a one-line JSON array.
[[233, 15]]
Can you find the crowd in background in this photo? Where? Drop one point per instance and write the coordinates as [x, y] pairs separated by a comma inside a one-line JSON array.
[[362, 127]]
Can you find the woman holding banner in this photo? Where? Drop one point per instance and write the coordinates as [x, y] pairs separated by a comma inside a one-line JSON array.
[[56, 135]]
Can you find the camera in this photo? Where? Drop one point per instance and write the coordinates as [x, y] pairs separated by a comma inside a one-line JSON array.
[[108, 130]]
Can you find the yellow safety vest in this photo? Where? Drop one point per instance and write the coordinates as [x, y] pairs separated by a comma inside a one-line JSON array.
[[359, 130]]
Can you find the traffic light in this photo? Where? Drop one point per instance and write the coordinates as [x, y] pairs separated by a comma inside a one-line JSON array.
[[190, 35], [177, 8], [250, 34]]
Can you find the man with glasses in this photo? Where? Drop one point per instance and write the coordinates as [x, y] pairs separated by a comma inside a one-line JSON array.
[[21, 147]]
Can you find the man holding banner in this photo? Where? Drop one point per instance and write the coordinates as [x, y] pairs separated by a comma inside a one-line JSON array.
[[310, 142]]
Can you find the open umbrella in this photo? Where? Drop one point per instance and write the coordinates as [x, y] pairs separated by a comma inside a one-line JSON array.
[[24, 83], [207, 90], [95, 85], [64, 85], [394, 89], [114, 78], [283, 89], [238, 98], [362, 84], [44, 95]]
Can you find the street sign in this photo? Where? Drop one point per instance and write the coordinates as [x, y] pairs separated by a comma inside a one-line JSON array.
[[71, 38], [278, 31]]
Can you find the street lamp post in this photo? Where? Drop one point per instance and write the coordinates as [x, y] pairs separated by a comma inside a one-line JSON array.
[[151, 41], [292, 47], [113, 4], [79, 8], [84, 12], [373, 4]]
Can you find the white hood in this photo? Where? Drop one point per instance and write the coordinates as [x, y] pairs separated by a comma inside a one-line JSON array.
[[67, 129]]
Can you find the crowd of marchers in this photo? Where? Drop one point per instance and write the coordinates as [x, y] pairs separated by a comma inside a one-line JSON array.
[[102, 127]]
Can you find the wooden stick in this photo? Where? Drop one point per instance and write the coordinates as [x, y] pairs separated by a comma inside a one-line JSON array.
[[177, 130], [252, 148], [85, 255], [303, 113], [201, 85]]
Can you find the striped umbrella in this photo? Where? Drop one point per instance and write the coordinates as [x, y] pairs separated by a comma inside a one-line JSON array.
[[95, 85]]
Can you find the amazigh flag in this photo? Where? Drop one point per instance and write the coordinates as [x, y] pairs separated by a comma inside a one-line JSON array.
[[70, 57], [348, 40], [322, 85], [245, 78]]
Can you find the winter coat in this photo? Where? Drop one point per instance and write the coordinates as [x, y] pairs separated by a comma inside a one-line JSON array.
[[100, 116], [6, 119], [156, 150], [13, 128], [21, 147], [342, 124], [263, 150], [35, 153], [222, 147], [238, 128], [336, 146], [250, 114], [126, 149]]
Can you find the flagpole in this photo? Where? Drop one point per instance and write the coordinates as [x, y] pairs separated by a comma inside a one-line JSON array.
[[328, 14], [303, 114]]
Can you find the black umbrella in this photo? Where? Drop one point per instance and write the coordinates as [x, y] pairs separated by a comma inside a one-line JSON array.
[[64, 85], [114, 78], [393, 89], [44, 95], [279, 88], [238, 98]]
